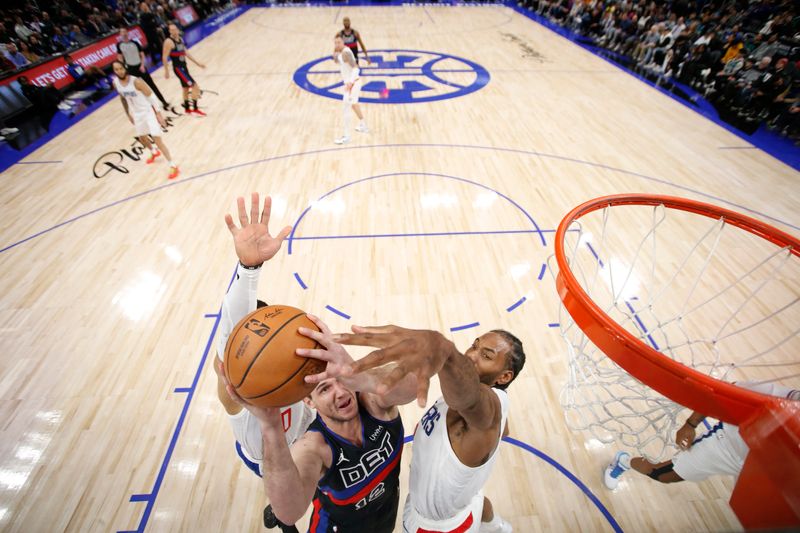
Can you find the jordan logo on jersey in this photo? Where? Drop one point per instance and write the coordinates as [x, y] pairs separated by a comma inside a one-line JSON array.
[[342, 458], [368, 463]]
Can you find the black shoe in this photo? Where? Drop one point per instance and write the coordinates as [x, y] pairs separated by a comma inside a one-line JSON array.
[[270, 521]]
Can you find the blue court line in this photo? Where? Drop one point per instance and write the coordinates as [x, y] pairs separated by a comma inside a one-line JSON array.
[[390, 146], [597, 257], [641, 325], [561, 469], [555, 464], [553, 325], [211, 315], [340, 313], [428, 234], [516, 304], [425, 9], [182, 389], [737, 148], [37, 162], [336, 16], [300, 281], [465, 326], [542, 271], [393, 174], [151, 497]]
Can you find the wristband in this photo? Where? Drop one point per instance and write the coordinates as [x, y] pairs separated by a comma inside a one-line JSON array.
[[254, 267], [689, 421]]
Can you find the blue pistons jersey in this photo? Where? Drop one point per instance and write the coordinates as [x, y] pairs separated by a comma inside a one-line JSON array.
[[359, 492]]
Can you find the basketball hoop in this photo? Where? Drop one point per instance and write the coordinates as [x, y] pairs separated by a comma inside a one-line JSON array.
[[682, 306]]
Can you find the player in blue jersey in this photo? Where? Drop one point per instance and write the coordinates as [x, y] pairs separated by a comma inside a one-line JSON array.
[[347, 464]]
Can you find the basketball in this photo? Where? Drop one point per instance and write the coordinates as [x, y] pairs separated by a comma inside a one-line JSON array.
[[260, 360]]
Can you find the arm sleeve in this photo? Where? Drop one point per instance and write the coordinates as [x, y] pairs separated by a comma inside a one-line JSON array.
[[240, 300]]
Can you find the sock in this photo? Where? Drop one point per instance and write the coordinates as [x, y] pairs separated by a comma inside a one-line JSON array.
[[194, 104], [153, 149], [362, 123], [186, 105]]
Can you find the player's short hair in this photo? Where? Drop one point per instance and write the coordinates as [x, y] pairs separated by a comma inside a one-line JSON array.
[[515, 358]]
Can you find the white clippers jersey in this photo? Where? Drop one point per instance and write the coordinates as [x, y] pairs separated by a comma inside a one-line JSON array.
[[247, 430], [138, 104], [440, 485], [349, 73]]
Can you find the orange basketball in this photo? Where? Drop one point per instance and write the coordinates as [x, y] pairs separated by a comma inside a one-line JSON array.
[[260, 360]]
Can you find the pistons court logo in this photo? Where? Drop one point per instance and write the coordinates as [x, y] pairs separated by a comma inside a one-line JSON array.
[[397, 77]]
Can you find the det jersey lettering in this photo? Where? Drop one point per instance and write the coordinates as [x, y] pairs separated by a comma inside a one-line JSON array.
[[367, 464], [429, 420]]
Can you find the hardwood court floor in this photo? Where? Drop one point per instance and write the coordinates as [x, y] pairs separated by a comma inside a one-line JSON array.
[[103, 317]]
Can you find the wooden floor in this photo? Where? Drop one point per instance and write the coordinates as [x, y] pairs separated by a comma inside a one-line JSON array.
[[106, 283]]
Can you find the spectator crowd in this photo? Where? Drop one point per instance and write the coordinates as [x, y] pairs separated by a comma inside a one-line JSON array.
[[742, 55], [40, 30]]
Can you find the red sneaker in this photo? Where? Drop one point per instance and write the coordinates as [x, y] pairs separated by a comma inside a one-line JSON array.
[[153, 156], [199, 112], [173, 173]]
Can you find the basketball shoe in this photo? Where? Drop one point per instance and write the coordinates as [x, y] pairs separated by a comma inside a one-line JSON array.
[[497, 525], [153, 156], [342, 140], [617, 467], [173, 172]]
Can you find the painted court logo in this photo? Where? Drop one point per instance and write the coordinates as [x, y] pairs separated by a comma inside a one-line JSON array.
[[398, 77]]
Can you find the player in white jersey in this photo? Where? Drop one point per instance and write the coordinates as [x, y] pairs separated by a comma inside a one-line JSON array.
[[254, 246], [352, 88], [456, 441], [141, 106], [720, 451]]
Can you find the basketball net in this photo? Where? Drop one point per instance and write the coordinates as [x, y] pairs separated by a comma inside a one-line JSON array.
[[698, 290]]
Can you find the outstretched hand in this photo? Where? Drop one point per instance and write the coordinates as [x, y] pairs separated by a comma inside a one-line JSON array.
[[339, 362], [419, 352], [253, 242]]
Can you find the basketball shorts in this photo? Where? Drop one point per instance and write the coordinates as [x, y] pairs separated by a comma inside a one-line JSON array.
[[147, 124], [183, 75], [352, 96], [710, 455], [467, 520], [354, 49], [247, 432]]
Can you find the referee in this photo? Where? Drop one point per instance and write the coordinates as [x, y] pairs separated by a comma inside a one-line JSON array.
[[130, 53]]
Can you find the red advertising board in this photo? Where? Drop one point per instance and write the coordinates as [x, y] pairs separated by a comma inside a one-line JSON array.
[[100, 54], [186, 16]]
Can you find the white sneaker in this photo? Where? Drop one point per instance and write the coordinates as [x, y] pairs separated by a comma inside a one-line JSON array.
[[497, 525], [362, 128], [342, 140], [8, 131], [617, 467]]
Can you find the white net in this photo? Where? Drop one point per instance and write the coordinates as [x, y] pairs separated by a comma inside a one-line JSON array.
[[704, 293]]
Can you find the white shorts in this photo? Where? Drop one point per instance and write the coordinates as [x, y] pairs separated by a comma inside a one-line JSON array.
[[710, 455], [352, 96], [467, 520], [247, 430], [147, 124]]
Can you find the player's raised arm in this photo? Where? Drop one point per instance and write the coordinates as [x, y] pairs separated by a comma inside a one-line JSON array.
[[339, 366], [418, 352], [463, 392], [290, 476]]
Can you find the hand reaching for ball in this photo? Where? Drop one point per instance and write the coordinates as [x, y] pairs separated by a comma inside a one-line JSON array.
[[253, 242], [338, 361]]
